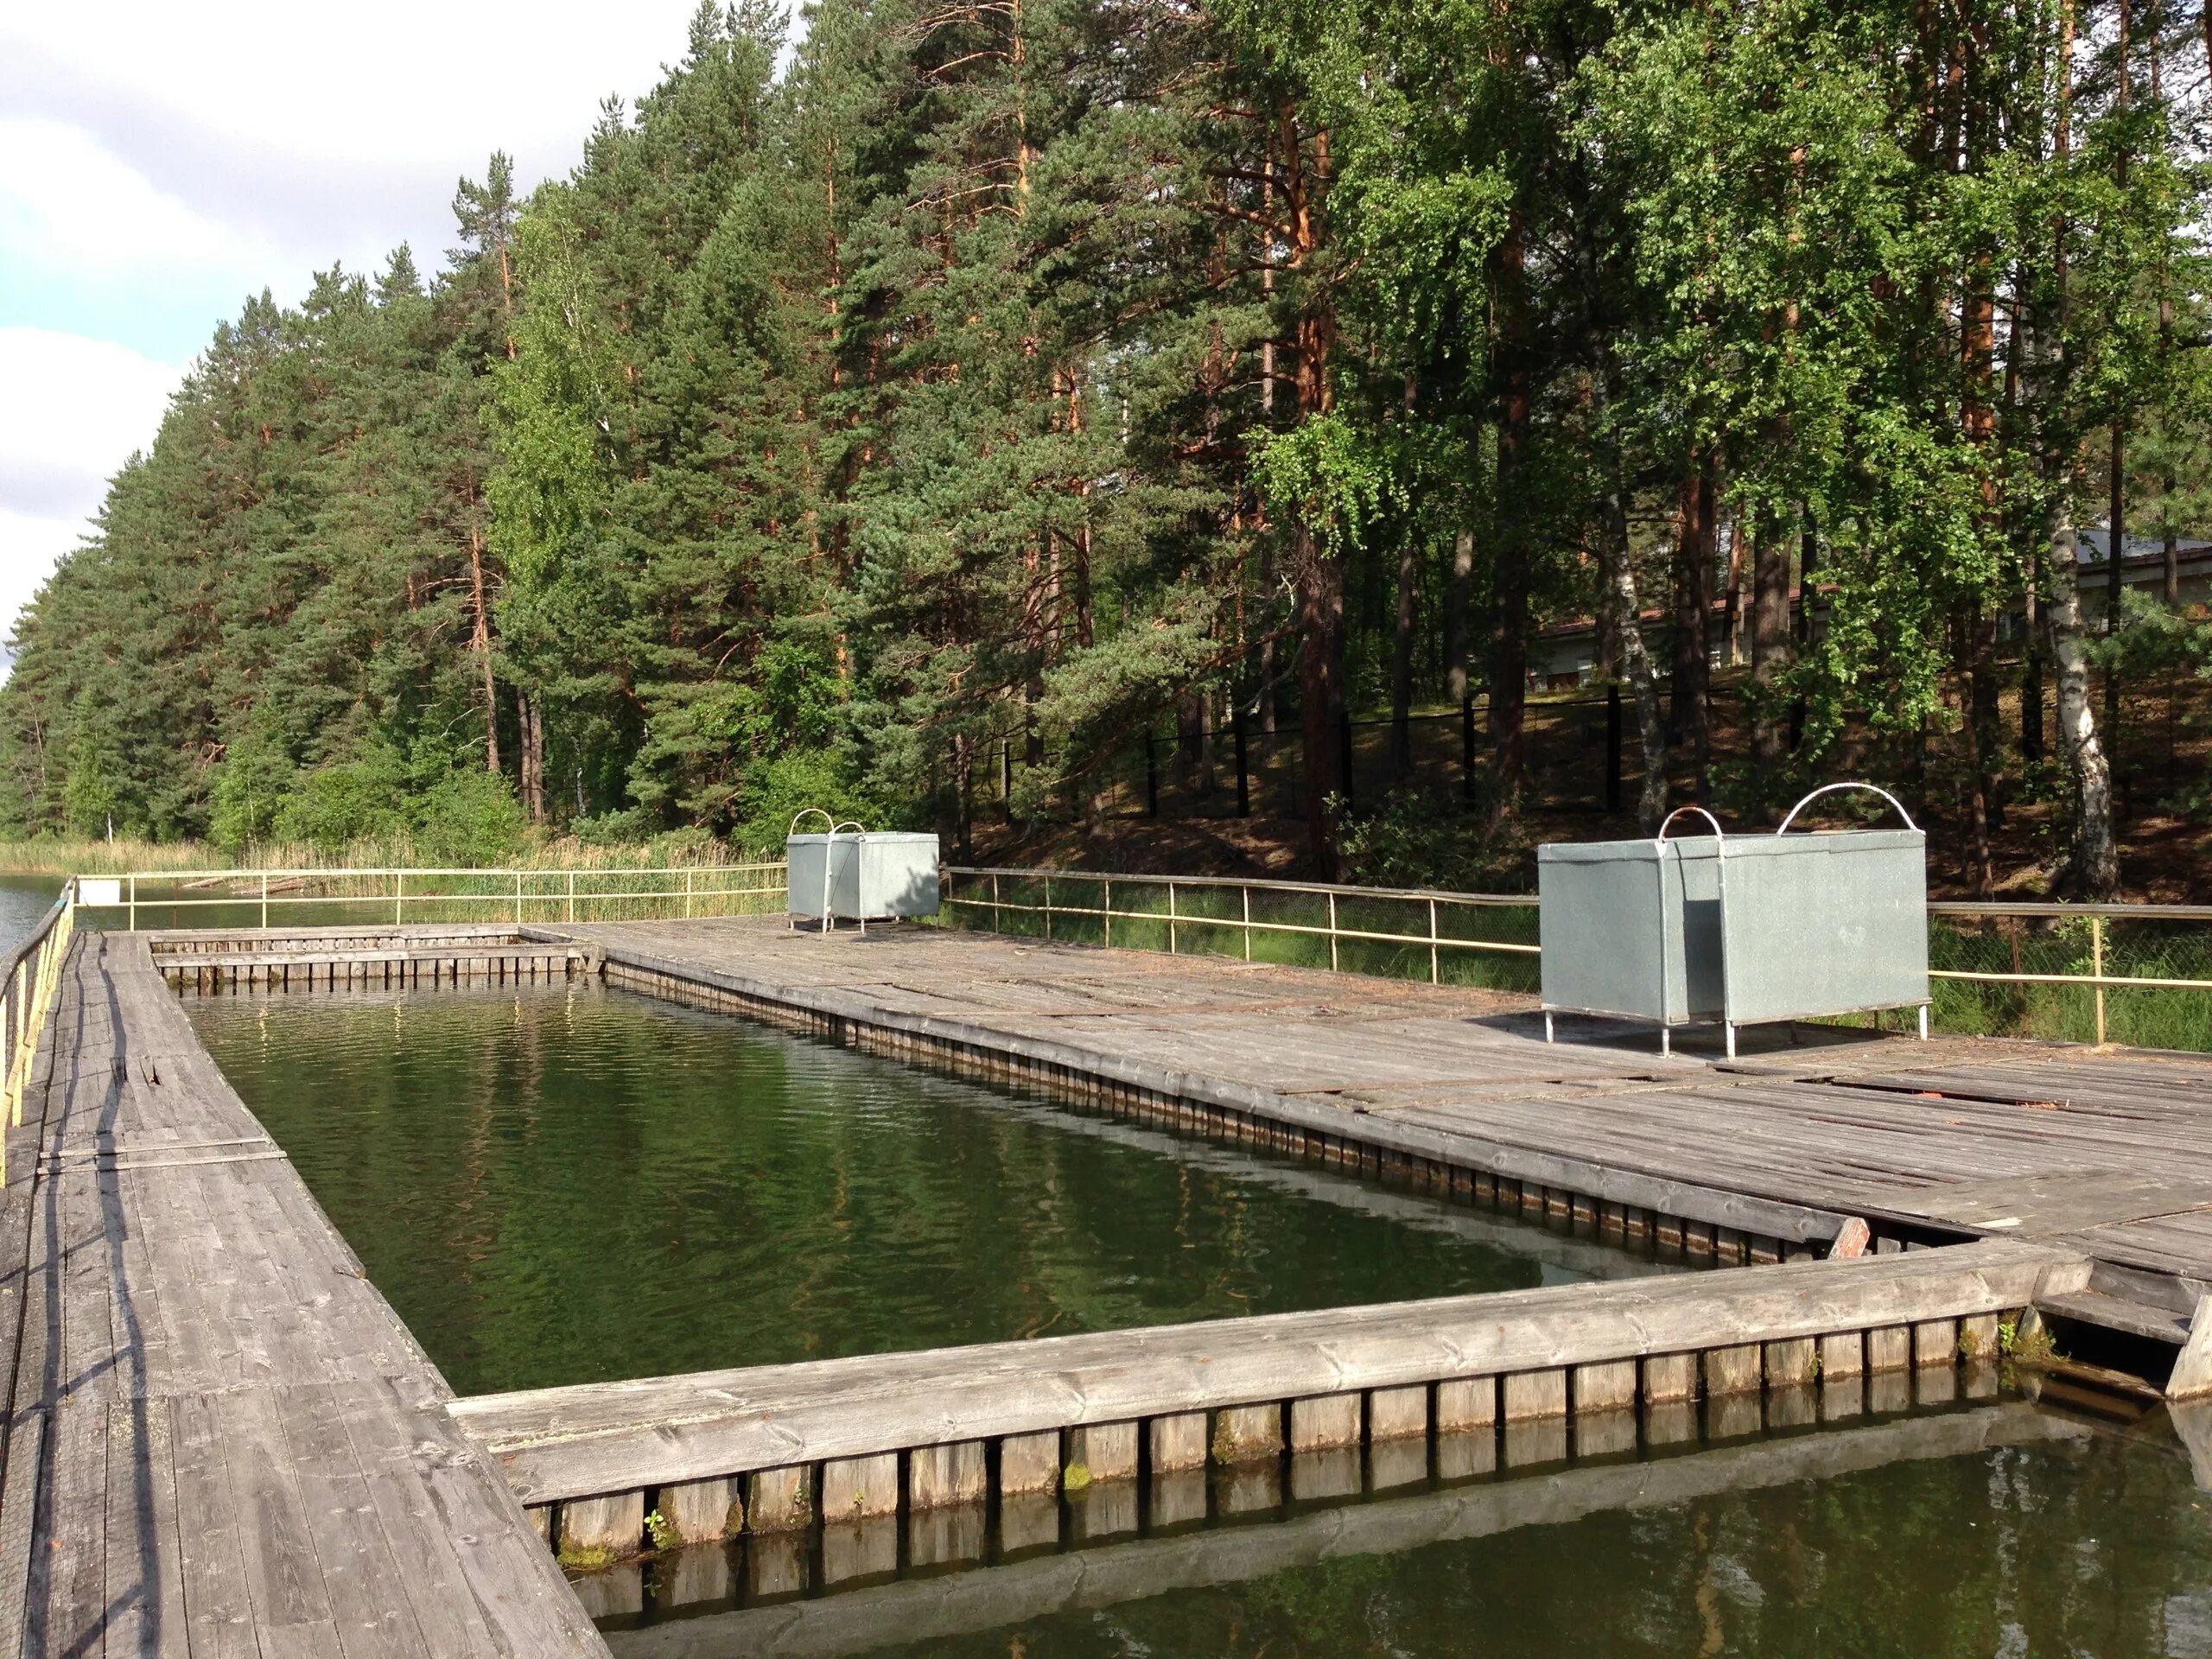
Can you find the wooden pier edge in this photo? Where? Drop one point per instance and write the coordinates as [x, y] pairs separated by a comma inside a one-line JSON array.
[[960, 1046], [1468, 1353]]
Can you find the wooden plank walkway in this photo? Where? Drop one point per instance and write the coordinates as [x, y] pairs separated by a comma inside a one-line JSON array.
[[2108, 1150], [220, 1439]]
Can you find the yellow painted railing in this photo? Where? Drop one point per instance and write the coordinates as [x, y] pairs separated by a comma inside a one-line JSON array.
[[255, 898], [32, 978]]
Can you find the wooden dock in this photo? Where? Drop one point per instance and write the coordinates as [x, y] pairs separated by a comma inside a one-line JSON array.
[[220, 1440], [2106, 1151]]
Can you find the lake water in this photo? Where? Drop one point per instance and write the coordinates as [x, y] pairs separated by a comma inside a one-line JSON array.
[[2099, 1547], [24, 901], [568, 1184]]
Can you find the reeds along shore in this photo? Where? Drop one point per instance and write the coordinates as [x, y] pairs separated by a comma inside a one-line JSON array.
[[99, 856]]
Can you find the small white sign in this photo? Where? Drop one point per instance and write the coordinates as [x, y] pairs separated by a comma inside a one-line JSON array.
[[99, 890]]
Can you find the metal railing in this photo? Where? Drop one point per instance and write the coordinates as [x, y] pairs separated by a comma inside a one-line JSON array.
[[187, 898], [33, 973], [1178, 908], [2137, 973]]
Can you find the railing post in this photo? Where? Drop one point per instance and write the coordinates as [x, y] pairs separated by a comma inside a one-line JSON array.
[[1246, 892], [1333, 932], [1048, 909], [264, 901], [1171, 918], [1434, 978], [517, 898], [133, 879], [398, 894], [1108, 908], [2097, 966], [998, 921], [572, 895], [687, 892]]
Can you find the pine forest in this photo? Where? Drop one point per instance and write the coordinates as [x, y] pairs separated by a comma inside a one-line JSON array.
[[995, 416]]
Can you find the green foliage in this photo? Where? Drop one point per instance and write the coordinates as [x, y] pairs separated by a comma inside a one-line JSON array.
[[350, 801], [1415, 840], [466, 818], [250, 789]]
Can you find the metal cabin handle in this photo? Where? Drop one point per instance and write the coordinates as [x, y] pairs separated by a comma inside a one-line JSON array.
[[1720, 884], [828, 851], [1830, 789], [816, 811], [1719, 835]]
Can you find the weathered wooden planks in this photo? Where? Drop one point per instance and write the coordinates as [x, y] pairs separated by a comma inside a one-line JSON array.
[[559, 1443], [223, 1442]]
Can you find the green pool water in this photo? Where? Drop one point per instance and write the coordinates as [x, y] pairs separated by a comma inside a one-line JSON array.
[[2098, 1546], [571, 1184]]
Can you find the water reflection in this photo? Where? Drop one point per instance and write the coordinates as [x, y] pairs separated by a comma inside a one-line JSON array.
[[1989, 1526], [571, 1184]]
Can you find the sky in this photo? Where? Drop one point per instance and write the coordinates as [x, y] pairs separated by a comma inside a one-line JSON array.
[[161, 162]]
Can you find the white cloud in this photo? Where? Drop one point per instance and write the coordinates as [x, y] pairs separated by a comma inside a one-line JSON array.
[[73, 404], [72, 410], [66, 200], [29, 549]]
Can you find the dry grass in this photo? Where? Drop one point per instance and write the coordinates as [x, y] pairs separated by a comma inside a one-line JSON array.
[[96, 857]]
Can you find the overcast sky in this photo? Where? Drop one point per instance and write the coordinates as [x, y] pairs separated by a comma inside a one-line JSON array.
[[158, 163]]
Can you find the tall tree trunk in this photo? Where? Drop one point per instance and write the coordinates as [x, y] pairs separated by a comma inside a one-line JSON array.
[[479, 644], [1509, 673], [1458, 618], [1809, 565], [1983, 809], [1690, 712], [1621, 602], [1770, 644], [1321, 627], [532, 733], [1401, 662], [2096, 859]]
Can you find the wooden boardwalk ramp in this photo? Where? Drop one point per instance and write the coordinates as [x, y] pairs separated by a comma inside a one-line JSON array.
[[220, 1439]]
